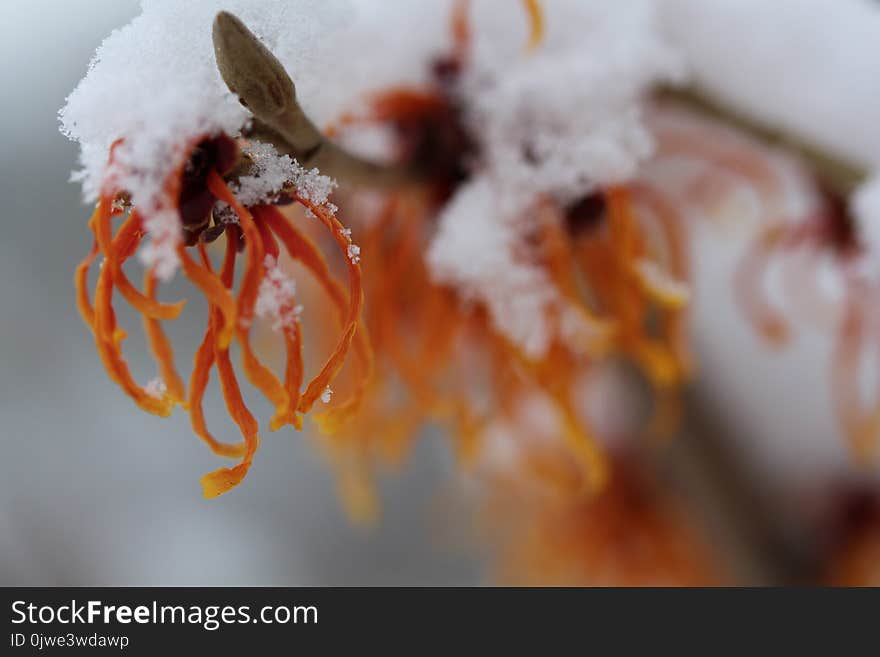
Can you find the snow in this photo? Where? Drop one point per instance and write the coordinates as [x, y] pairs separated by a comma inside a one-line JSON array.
[[270, 172], [354, 253], [475, 250], [313, 186], [156, 388], [555, 122], [154, 84], [565, 117], [163, 227], [327, 395], [481, 252], [276, 297]]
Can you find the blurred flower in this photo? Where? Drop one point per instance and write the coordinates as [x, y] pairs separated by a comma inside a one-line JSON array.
[[809, 245], [542, 530], [597, 281]]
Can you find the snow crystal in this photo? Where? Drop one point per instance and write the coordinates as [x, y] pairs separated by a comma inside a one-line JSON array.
[[354, 253], [271, 172], [327, 395], [224, 214], [156, 388], [314, 187], [160, 253], [275, 299]]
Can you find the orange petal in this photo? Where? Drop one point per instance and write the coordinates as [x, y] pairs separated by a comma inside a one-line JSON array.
[[161, 347], [203, 363], [221, 481], [107, 340], [536, 22], [216, 293], [258, 374], [83, 303], [304, 250], [144, 304]]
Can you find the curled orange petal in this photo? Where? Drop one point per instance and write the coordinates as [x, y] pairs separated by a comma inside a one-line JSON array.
[[204, 362], [146, 305], [258, 374], [83, 304], [749, 288], [108, 338], [221, 481], [302, 249], [536, 22], [161, 347], [217, 294]]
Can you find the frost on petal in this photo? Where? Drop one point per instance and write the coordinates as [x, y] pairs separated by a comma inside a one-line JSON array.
[[271, 172], [160, 252], [314, 187], [327, 395], [276, 297], [156, 388], [475, 250]]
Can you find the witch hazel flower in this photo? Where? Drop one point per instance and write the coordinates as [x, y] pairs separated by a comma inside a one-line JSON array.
[[175, 172], [527, 237]]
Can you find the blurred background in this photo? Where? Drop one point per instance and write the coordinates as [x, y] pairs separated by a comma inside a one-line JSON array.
[[95, 492]]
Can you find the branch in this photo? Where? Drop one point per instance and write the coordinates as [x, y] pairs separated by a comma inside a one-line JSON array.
[[842, 176]]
